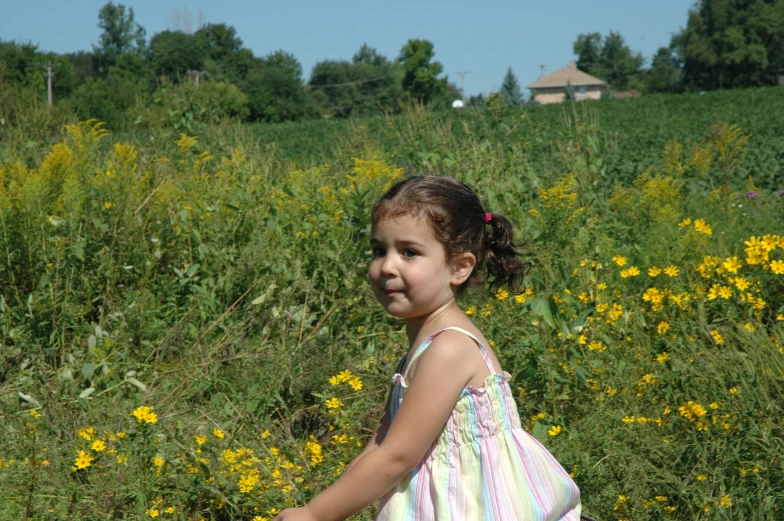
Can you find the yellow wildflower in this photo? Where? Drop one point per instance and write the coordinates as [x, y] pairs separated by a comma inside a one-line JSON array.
[[631, 271], [501, 294], [87, 433], [671, 271], [663, 327], [725, 501], [470, 311], [266, 434], [35, 414], [555, 430], [98, 445], [777, 267], [692, 410], [653, 271], [731, 264], [702, 477], [717, 337], [662, 357], [334, 403], [186, 142], [741, 283], [201, 440], [701, 226], [218, 434], [685, 223], [619, 260], [145, 414], [83, 460]]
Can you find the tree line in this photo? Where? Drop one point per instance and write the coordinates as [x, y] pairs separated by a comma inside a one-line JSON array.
[[128, 76], [176, 77], [725, 44]]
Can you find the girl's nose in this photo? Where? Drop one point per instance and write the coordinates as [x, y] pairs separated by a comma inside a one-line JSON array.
[[388, 265]]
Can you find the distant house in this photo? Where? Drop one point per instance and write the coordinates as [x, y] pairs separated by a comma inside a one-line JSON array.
[[552, 88]]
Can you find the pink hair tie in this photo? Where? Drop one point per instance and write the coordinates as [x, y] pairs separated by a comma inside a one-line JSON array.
[[488, 216]]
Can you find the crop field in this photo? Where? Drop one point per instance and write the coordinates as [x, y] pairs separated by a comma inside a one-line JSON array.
[[187, 333]]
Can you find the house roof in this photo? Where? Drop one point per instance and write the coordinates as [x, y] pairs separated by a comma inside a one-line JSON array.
[[569, 74]]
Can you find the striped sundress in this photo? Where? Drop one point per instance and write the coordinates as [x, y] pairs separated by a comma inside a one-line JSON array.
[[483, 466]]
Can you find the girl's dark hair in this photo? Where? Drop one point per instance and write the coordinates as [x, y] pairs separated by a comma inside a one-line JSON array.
[[456, 215]]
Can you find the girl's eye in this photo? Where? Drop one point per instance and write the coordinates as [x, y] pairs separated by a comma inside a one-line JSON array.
[[378, 252], [408, 252]]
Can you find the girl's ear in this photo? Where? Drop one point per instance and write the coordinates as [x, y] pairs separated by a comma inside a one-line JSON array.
[[462, 266]]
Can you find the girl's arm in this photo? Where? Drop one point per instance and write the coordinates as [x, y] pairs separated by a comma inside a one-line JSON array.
[[442, 373], [378, 435]]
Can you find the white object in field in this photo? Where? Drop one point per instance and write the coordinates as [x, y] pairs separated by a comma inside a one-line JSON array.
[[458, 104]]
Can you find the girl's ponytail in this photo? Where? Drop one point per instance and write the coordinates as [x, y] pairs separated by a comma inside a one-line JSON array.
[[504, 265]]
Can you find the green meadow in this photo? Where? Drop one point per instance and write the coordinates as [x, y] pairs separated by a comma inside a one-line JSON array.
[[187, 333]]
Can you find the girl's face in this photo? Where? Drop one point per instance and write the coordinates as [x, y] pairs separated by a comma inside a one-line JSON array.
[[409, 273]]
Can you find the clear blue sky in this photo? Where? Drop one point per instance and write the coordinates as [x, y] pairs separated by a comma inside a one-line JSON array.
[[481, 38]]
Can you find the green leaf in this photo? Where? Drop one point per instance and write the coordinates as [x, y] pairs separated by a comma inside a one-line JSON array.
[[88, 370], [101, 226], [540, 432], [192, 270], [137, 383], [541, 307]]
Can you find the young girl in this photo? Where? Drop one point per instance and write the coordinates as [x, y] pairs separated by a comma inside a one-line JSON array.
[[450, 445]]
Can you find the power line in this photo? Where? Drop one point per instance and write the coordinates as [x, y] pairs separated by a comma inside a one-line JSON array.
[[358, 82]]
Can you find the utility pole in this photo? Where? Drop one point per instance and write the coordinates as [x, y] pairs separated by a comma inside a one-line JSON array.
[[462, 82], [49, 66], [197, 75], [542, 68]]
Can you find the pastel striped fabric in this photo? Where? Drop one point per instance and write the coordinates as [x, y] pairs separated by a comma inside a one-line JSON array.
[[483, 466]]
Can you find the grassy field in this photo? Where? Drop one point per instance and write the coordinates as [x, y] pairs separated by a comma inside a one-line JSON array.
[[187, 332]]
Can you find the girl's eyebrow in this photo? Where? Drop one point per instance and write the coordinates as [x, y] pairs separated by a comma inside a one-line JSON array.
[[406, 242]]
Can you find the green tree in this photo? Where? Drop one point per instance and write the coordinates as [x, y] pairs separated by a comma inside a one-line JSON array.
[[174, 53], [728, 44], [225, 57], [420, 72], [369, 84], [510, 90], [275, 89], [665, 72], [84, 64], [609, 59], [120, 34], [588, 48], [335, 88], [107, 99], [618, 65], [219, 41], [23, 65]]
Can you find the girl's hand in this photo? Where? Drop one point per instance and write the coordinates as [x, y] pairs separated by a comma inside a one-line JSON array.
[[295, 514]]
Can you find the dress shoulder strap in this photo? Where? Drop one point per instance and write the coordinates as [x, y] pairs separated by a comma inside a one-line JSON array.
[[426, 343]]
